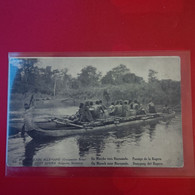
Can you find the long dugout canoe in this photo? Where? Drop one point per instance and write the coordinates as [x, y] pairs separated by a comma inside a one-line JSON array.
[[38, 133]]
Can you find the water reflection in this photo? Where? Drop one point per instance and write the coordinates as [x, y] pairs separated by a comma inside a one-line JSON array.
[[128, 135], [152, 128], [96, 142], [93, 143], [30, 150], [120, 137], [32, 147]]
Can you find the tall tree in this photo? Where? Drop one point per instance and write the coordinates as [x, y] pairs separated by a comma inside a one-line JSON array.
[[152, 76], [57, 78], [115, 76], [27, 74], [89, 76]]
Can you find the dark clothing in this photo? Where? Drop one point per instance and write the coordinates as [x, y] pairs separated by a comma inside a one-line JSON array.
[[88, 114], [111, 110], [151, 108], [118, 110], [131, 105], [136, 106], [166, 110], [141, 112], [81, 114], [97, 111], [92, 111], [85, 114], [124, 110]]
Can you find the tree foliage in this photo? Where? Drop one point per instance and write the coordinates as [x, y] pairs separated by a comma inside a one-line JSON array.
[[119, 75], [152, 76], [118, 83], [89, 76]]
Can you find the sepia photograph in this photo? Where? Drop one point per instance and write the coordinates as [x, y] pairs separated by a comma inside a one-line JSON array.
[[94, 112]]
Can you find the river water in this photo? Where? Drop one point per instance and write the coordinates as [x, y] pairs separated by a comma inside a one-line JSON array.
[[155, 145]]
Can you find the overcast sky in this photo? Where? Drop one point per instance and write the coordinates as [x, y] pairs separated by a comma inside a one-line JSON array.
[[168, 67]]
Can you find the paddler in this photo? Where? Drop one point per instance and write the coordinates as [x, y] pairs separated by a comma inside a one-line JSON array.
[[92, 109], [87, 112], [102, 109], [96, 110], [118, 109], [84, 113], [136, 105], [124, 109], [151, 107], [141, 110], [102, 105], [81, 113], [130, 103], [166, 109], [111, 109]]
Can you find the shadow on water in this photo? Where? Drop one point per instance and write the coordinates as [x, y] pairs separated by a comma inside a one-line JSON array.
[[33, 147], [134, 134], [129, 135], [151, 130], [84, 142], [95, 142]]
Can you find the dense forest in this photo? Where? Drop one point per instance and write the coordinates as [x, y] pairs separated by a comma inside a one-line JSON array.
[[118, 83]]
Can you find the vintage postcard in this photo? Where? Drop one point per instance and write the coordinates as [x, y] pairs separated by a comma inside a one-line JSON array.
[[94, 112]]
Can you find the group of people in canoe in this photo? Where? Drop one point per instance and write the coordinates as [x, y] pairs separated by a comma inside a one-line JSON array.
[[91, 111]]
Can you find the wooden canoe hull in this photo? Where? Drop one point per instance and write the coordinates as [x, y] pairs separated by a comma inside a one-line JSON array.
[[42, 134]]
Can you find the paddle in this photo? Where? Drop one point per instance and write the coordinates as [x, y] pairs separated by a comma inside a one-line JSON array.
[[66, 122]]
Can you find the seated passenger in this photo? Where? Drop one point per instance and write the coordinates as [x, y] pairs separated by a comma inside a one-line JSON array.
[[136, 105], [130, 104], [87, 112], [81, 113], [166, 109], [151, 107], [124, 109], [141, 111], [118, 109], [97, 111], [111, 109], [102, 105], [102, 109], [92, 109]]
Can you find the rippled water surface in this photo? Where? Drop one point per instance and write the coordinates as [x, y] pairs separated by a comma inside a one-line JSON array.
[[152, 145]]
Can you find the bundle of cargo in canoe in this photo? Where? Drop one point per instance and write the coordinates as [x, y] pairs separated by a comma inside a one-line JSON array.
[[62, 127]]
